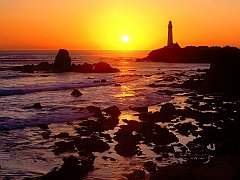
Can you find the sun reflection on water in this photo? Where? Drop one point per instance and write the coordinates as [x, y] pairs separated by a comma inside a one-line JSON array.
[[128, 115], [126, 91]]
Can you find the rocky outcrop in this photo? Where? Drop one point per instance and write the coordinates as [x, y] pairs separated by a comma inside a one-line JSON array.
[[112, 111], [100, 67], [37, 106], [71, 168], [62, 63], [137, 175], [76, 93], [223, 75], [192, 54]]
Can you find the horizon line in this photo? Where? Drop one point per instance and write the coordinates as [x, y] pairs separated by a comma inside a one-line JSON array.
[[76, 49], [2, 50]]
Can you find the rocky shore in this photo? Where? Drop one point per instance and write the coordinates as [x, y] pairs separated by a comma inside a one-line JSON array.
[[63, 63], [214, 153], [205, 109]]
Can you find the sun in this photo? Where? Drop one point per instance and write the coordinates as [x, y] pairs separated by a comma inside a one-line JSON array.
[[125, 39]]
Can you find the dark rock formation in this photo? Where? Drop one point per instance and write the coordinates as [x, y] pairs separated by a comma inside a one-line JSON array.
[[112, 111], [71, 169], [126, 150], [192, 54], [159, 158], [137, 175], [96, 110], [163, 149], [117, 85], [140, 109], [43, 126], [168, 109], [103, 67], [63, 135], [100, 67], [62, 63], [127, 142], [223, 75], [105, 121], [37, 106], [150, 166], [222, 167], [103, 81], [185, 128], [92, 144], [130, 135], [166, 114], [62, 147], [76, 93]]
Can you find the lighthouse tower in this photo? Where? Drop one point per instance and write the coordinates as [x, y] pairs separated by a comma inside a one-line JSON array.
[[170, 36]]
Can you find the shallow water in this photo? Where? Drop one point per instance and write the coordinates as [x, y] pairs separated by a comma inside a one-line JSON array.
[[24, 152]]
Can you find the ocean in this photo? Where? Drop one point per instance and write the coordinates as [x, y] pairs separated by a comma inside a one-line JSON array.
[[23, 150]]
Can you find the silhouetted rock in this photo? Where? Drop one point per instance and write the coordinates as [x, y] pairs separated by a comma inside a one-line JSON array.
[[103, 80], [168, 109], [62, 147], [165, 115], [137, 175], [96, 110], [62, 61], [76, 93], [112, 159], [46, 134], [104, 122], [110, 122], [92, 144], [186, 128], [103, 67], [25, 68], [71, 169], [43, 66], [63, 135], [225, 75], [37, 106], [127, 142], [43, 126], [150, 166], [163, 149], [112, 111], [157, 135], [126, 150], [159, 158], [117, 85], [140, 109], [192, 54]]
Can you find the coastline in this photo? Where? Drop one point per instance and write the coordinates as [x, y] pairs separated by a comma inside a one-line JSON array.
[[135, 137]]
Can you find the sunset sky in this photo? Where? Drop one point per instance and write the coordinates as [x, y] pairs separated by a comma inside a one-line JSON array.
[[117, 24]]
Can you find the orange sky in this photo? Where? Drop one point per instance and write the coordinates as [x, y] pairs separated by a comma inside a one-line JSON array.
[[100, 24]]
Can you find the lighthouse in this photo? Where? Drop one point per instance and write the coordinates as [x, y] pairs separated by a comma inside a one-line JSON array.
[[170, 43], [170, 36]]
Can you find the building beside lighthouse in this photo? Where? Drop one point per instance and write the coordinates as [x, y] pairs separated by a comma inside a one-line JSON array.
[[170, 37]]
